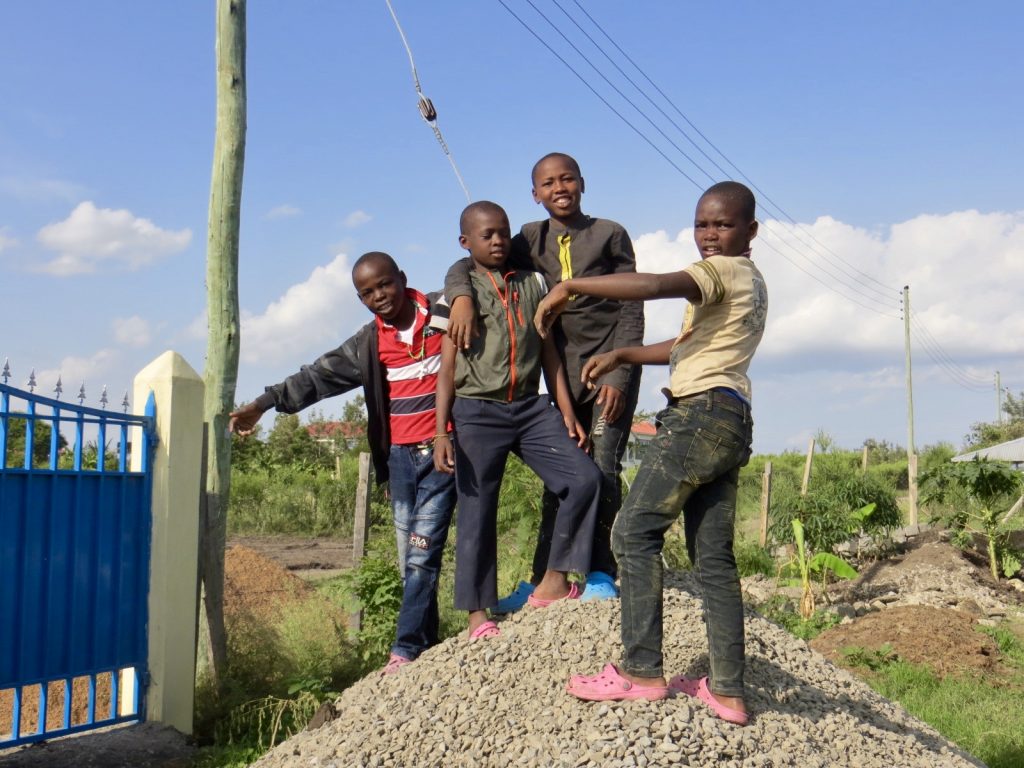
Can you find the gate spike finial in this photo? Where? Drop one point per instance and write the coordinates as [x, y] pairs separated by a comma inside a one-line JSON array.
[[103, 398], [81, 394], [124, 401], [32, 381], [6, 373], [59, 389]]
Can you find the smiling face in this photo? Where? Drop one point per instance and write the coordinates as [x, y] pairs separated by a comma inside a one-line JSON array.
[[487, 236], [721, 226], [558, 186], [381, 288]]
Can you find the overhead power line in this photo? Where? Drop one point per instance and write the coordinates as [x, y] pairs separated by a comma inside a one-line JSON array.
[[840, 275], [426, 107]]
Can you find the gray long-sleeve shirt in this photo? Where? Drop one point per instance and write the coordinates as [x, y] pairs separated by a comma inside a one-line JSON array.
[[589, 325]]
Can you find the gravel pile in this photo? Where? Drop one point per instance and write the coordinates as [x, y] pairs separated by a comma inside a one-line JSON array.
[[501, 702]]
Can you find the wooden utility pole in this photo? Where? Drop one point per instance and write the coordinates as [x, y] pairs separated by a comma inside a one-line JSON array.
[[911, 451], [223, 319]]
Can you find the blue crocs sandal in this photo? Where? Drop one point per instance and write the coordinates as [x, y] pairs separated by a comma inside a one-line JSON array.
[[600, 586], [514, 601]]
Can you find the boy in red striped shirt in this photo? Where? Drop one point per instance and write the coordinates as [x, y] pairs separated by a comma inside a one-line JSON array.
[[396, 359]]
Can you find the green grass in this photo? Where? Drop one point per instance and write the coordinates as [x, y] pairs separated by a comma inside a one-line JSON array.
[[984, 719], [984, 716]]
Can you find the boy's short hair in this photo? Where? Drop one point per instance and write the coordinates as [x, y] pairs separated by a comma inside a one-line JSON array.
[[736, 193], [568, 158], [479, 206], [378, 257]]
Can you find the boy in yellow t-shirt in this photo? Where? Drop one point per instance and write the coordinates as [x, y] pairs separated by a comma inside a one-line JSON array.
[[693, 463]]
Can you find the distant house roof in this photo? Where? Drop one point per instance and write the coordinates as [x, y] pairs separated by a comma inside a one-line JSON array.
[[644, 429], [1011, 451], [325, 430]]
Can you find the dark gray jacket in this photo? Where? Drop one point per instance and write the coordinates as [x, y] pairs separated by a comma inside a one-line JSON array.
[[355, 363]]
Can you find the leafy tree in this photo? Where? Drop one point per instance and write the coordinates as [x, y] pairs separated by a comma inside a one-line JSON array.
[[290, 443], [974, 494], [41, 432], [1014, 406], [883, 452], [988, 433]]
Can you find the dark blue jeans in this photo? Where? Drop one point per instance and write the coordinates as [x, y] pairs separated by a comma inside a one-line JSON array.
[[608, 443], [692, 465], [422, 501], [533, 429]]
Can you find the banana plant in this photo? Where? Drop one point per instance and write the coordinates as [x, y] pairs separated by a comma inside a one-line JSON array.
[[823, 562]]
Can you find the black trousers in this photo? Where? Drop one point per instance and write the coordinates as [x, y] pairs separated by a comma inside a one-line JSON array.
[[533, 429]]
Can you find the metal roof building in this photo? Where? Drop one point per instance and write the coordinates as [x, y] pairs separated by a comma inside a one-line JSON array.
[[1011, 451]]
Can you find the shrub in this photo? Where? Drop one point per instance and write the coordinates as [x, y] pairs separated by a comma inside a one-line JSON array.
[[828, 511]]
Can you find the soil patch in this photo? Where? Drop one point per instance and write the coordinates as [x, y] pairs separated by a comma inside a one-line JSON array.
[[300, 554], [941, 638], [256, 585]]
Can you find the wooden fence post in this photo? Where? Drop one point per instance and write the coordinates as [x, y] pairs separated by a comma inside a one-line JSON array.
[[766, 500], [807, 469], [864, 460], [361, 527]]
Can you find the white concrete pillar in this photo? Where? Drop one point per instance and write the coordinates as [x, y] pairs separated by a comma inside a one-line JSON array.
[[174, 554]]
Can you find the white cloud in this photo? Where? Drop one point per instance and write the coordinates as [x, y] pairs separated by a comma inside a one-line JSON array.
[[77, 372], [309, 318], [41, 190], [964, 270], [132, 331], [91, 237], [357, 218], [6, 241], [283, 212]]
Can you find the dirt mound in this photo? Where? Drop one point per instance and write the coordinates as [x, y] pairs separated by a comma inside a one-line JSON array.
[[941, 638], [255, 585]]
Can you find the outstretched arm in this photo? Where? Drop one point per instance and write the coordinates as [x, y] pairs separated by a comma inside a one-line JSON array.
[[636, 286], [651, 354]]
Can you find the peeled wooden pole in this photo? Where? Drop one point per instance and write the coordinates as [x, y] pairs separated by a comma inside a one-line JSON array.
[[223, 317]]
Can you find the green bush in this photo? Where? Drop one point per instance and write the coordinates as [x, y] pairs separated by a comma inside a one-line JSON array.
[[289, 500], [828, 510]]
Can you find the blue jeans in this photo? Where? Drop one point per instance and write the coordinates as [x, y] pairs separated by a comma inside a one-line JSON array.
[[692, 465], [608, 445], [422, 501]]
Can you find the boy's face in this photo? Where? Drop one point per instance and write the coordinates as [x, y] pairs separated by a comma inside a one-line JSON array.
[[720, 227], [488, 238], [558, 186], [380, 288]]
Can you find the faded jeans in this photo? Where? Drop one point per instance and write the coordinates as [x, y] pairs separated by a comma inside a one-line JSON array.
[[691, 465], [422, 500]]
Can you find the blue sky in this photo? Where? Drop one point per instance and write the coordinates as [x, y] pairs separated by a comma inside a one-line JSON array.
[[887, 130]]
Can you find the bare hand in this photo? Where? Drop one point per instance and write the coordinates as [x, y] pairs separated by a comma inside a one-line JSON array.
[[597, 366], [614, 402], [550, 307], [576, 430], [243, 421], [462, 322], [444, 455]]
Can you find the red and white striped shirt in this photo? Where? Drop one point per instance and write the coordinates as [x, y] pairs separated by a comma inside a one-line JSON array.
[[411, 367]]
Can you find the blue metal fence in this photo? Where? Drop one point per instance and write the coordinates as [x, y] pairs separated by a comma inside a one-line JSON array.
[[75, 526]]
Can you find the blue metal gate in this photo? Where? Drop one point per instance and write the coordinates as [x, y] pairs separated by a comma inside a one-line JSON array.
[[74, 565]]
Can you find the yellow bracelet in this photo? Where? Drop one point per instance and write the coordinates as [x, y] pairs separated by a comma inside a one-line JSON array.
[[443, 434]]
